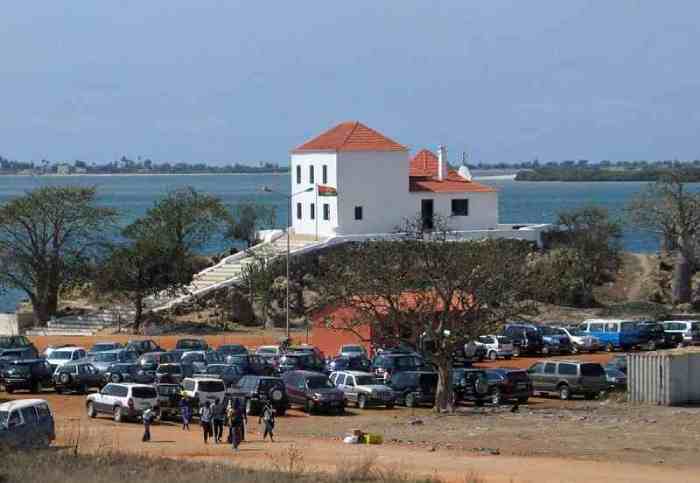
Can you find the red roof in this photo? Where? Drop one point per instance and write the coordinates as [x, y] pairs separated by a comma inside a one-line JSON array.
[[423, 177], [351, 136]]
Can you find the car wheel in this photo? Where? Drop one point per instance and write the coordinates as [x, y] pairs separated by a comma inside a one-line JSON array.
[[410, 400], [609, 347], [516, 351], [496, 396], [361, 401], [651, 346], [276, 395], [91, 410], [64, 378], [564, 392], [545, 350], [117, 414], [493, 355]]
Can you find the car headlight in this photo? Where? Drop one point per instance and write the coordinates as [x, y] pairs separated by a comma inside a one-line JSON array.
[[317, 396]]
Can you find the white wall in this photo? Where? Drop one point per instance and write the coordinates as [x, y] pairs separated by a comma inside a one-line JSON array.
[[8, 324], [483, 209], [377, 181], [306, 225]]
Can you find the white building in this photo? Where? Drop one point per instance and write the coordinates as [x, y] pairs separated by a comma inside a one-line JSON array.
[[375, 185]]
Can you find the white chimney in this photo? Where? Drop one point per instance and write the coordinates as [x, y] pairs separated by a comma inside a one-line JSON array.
[[442, 163]]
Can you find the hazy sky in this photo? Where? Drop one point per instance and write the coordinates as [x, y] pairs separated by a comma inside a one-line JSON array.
[[224, 81]]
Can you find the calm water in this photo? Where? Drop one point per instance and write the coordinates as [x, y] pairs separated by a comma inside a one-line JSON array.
[[520, 202]]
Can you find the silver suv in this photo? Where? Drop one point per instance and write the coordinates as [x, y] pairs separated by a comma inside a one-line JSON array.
[[362, 389], [567, 378]]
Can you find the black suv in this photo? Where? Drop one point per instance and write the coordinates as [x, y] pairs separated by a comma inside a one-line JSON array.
[[385, 365], [253, 391], [18, 354], [300, 361], [126, 372], [526, 338], [251, 364], [359, 363], [192, 345], [228, 373], [657, 338], [143, 346], [413, 388], [77, 376], [30, 374], [471, 385], [312, 391]]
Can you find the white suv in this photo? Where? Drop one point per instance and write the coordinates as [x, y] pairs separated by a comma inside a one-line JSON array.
[[63, 355], [122, 401], [689, 329], [202, 389], [496, 346]]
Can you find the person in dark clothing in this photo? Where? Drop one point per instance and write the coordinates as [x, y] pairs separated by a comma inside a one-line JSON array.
[[205, 418], [268, 418], [186, 413], [238, 421], [218, 413], [147, 417]]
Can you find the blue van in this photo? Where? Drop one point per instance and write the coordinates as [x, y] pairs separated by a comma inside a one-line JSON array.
[[26, 423], [614, 334]]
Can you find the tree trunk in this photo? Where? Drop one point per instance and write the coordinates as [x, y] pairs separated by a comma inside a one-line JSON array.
[[138, 307], [682, 281], [444, 399], [41, 310]]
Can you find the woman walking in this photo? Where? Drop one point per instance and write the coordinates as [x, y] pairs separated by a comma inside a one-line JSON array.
[[205, 418], [268, 417], [185, 413], [238, 422]]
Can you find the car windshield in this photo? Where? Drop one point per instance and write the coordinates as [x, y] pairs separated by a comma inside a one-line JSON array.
[[189, 344], [144, 392], [233, 349], [407, 362], [352, 348], [319, 383], [365, 380], [169, 369], [3, 417], [61, 355], [267, 384], [102, 347], [212, 386], [109, 357]]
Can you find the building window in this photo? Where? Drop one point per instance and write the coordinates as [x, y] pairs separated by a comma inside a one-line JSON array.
[[298, 174], [311, 174], [326, 211], [298, 211], [358, 212], [313, 211], [460, 207], [324, 174]]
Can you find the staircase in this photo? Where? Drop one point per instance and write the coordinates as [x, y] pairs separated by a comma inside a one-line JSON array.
[[87, 324], [229, 270]]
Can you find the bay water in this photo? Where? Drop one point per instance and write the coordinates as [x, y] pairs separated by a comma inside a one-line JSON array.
[[519, 202]]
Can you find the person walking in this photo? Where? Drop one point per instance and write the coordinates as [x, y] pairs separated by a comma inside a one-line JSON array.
[[185, 413], [147, 416], [205, 419], [268, 418], [238, 424], [218, 413], [230, 416]]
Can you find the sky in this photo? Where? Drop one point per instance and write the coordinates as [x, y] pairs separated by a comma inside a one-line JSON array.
[[227, 81]]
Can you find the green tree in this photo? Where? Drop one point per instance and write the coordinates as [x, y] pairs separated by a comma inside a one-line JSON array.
[[260, 278], [49, 239], [669, 209], [247, 219]]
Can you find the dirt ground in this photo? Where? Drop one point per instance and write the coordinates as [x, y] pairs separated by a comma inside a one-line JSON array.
[[545, 440]]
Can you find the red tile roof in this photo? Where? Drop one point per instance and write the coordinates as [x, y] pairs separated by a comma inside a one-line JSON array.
[[423, 177], [351, 136]]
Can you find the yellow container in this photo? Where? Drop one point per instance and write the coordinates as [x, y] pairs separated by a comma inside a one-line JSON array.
[[372, 439]]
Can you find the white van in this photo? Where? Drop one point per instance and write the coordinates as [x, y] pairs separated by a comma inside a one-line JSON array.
[[689, 329], [202, 389]]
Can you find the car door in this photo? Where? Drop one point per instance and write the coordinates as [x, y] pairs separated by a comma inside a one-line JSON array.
[[549, 378], [536, 374], [99, 399], [16, 428], [342, 382], [351, 392], [31, 425]]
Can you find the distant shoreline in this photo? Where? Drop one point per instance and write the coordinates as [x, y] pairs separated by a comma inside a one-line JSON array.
[[82, 175]]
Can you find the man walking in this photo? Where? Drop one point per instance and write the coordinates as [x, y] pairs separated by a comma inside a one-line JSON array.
[[268, 418], [218, 415], [238, 424], [205, 419], [147, 417]]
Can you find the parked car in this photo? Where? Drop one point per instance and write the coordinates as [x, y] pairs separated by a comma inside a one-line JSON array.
[[254, 391], [580, 342], [122, 401], [386, 364], [228, 349], [77, 376], [48, 350], [352, 350], [268, 351], [470, 385], [618, 362], [496, 346], [252, 364], [567, 378], [413, 388], [228, 373], [361, 388], [104, 346], [102, 360], [192, 345], [18, 354], [200, 389], [26, 423], [313, 391], [525, 337], [617, 380], [150, 361], [474, 351], [30, 374], [688, 329], [655, 337], [142, 346], [554, 340], [64, 355], [126, 372], [349, 364], [307, 349], [169, 400], [169, 373], [300, 361], [508, 385], [614, 334]]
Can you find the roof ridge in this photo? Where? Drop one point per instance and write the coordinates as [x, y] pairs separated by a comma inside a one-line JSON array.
[[355, 124]]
